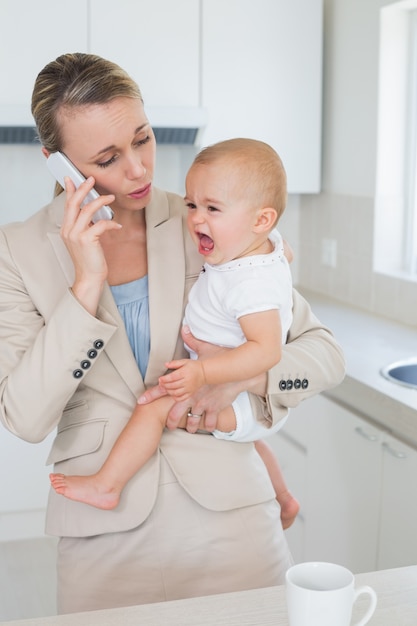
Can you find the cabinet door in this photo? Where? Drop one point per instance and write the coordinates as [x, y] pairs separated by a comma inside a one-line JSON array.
[[397, 540], [156, 41], [344, 477], [261, 78], [293, 462], [32, 34], [24, 486]]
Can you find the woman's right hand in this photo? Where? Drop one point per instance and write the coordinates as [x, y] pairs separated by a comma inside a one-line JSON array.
[[82, 239]]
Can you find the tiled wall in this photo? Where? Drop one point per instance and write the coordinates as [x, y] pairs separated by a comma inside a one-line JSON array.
[[349, 221]]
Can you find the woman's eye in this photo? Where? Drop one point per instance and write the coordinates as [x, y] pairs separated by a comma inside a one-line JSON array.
[[141, 142], [107, 163]]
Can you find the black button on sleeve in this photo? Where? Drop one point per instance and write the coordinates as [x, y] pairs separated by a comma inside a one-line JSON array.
[[297, 383], [85, 364], [92, 353], [78, 373], [290, 384], [282, 385], [304, 383], [99, 343]]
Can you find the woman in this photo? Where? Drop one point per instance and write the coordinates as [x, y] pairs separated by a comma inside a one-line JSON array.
[[89, 314]]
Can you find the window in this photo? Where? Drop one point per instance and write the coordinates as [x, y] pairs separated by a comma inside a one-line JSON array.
[[395, 250]]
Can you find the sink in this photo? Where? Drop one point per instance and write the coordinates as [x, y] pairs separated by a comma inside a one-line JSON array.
[[402, 372]]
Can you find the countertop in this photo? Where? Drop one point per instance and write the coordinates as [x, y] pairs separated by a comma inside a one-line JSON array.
[[370, 343], [397, 606]]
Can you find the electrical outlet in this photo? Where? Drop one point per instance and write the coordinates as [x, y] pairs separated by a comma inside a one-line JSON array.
[[329, 252]]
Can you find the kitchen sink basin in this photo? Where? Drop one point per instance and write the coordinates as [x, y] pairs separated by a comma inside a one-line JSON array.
[[402, 372]]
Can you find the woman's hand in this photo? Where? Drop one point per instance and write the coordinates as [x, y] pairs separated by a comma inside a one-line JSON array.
[[82, 239], [209, 400], [204, 405], [203, 349]]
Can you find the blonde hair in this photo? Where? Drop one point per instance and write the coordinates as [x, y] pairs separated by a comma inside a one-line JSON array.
[[262, 171], [73, 81]]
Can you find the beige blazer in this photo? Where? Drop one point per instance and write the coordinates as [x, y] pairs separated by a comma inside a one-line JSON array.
[[62, 368]]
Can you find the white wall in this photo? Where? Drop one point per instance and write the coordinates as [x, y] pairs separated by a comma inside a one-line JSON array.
[[344, 210]]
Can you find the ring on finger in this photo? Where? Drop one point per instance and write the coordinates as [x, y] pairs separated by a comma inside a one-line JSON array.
[[191, 414]]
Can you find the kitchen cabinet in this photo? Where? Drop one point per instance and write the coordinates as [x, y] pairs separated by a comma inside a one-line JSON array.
[[33, 34], [24, 486], [255, 67], [293, 462], [397, 533], [358, 486], [156, 42], [262, 78], [344, 485]]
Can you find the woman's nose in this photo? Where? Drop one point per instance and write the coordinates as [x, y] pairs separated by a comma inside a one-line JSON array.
[[135, 169]]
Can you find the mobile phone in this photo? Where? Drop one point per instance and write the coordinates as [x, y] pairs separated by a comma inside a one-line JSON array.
[[60, 166]]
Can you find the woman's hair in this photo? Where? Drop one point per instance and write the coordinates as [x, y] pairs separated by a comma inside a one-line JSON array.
[[259, 166], [72, 81]]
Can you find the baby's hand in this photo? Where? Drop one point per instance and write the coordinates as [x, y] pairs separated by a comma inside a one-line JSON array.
[[185, 380]]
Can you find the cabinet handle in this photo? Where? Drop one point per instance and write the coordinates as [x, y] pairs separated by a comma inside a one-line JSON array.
[[395, 453], [365, 435]]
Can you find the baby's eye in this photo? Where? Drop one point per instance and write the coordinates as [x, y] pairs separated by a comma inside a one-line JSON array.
[[212, 209], [190, 205]]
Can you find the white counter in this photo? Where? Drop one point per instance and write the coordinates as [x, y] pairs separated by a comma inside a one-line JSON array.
[[397, 606], [370, 343]]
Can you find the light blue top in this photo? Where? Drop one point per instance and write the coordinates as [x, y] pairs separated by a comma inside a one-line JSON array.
[[132, 301]]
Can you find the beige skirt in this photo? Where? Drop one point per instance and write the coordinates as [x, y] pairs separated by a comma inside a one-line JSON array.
[[181, 551]]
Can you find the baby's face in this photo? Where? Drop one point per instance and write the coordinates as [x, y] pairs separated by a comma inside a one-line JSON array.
[[221, 216]]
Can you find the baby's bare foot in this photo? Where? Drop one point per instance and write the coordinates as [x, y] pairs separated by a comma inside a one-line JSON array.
[[289, 509], [87, 489]]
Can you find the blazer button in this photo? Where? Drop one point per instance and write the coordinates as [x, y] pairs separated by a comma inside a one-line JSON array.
[[290, 384], [85, 364], [297, 383], [304, 383], [78, 373], [92, 353], [99, 343], [282, 385]]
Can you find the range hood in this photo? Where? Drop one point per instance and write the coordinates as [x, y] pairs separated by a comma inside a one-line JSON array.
[[173, 125]]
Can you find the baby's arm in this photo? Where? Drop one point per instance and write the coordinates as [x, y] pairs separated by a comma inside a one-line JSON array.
[[260, 351]]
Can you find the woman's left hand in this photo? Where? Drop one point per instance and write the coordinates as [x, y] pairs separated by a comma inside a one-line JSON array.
[[209, 400], [206, 402]]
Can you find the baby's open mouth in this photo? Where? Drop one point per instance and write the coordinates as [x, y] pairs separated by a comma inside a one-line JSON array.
[[206, 242]]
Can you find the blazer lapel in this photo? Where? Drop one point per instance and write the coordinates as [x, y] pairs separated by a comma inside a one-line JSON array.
[[166, 274]]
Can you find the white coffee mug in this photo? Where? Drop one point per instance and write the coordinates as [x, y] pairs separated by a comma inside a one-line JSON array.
[[323, 594]]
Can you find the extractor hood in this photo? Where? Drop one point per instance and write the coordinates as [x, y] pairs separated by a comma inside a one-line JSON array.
[[173, 125]]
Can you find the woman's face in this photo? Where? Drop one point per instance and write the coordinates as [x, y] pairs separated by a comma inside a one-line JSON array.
[[114, 143]]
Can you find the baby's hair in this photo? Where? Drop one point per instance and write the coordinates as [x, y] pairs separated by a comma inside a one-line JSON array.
[[261, 168]]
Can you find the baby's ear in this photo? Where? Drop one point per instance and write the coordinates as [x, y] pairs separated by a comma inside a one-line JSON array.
[[265, 219]]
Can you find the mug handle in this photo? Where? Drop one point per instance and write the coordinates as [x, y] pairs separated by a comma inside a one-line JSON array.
[[371, 609]]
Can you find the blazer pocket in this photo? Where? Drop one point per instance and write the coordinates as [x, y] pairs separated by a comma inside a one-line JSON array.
[[76, 440]]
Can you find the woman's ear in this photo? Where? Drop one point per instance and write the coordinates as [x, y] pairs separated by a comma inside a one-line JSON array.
[[265, 219], [45, 152]]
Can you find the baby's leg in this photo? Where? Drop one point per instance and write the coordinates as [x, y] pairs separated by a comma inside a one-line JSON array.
[[289, 505], [135, 445]]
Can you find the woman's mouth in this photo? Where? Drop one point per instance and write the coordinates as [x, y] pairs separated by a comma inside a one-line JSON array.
[[140, 193]]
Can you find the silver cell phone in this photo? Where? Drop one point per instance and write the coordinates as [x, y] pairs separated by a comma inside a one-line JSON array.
[[60, 166]]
